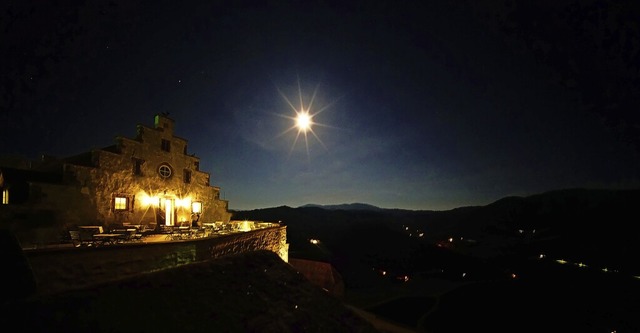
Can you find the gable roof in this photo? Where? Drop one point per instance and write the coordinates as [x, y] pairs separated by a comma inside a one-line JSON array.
[[13, 176]]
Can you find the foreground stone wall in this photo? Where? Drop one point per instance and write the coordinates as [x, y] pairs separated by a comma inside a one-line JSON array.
[[321, 274], [62, 269]]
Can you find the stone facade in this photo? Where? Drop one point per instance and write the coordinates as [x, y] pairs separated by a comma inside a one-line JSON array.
[[150, 180]]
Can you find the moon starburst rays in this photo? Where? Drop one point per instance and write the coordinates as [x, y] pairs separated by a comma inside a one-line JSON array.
[[303, 120]]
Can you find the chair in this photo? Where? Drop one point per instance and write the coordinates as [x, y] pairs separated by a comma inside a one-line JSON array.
[[199, 232], [75, 238], [133, 235], [148, 229], [128, 235]]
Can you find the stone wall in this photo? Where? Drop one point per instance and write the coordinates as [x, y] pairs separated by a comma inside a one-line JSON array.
[[321, 274], [61, 269]]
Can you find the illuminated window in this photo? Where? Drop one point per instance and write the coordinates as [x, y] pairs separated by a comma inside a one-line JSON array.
[[164, 171], [187, 176], [120, 203], [5, 197], [166, 145]]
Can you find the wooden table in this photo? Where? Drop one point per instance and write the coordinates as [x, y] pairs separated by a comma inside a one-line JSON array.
[[102, 239], [136, 226], [94, 228], [211, 226]]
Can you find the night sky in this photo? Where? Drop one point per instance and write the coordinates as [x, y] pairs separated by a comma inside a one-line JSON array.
[[416, 105]]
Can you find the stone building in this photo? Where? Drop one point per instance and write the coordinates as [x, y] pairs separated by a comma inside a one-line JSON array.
[[150, 180]]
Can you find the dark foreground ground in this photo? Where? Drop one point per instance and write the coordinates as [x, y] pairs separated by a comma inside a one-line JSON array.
[[252, 292]]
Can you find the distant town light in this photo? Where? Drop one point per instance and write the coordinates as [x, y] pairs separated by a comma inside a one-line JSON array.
[[314, 241], [403, 278]]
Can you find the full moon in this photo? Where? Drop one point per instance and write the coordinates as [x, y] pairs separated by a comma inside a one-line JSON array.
[[303, 121]]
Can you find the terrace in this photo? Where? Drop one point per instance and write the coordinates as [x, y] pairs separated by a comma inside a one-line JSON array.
[[98, 236]]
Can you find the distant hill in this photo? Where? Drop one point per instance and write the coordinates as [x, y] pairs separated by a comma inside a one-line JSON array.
[[483, 244], [579, 222], [351, 206], [591, 195]]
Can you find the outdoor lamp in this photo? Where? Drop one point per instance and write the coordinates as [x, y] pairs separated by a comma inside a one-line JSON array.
[[196, 207]]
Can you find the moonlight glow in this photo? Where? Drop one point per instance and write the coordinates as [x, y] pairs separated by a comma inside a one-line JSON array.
[[303, 119]]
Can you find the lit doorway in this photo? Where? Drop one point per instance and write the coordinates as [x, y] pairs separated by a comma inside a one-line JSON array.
[[169, 211]]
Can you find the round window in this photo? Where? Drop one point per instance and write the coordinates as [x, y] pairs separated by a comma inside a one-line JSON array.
[[164, 171]]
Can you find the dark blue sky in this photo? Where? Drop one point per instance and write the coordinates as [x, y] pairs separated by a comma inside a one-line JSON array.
[[418, 105]]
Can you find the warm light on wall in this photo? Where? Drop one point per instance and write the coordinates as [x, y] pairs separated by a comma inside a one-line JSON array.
[[196, 207], [246, 225], [179, 202], [147, 200]]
